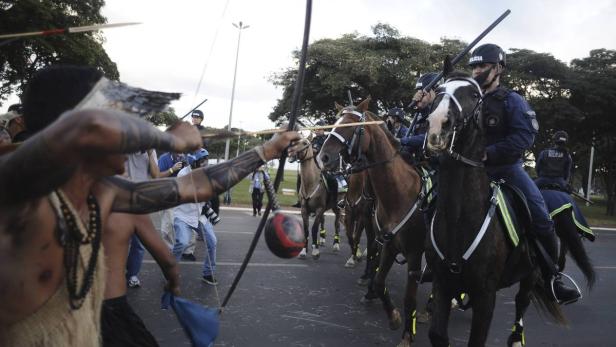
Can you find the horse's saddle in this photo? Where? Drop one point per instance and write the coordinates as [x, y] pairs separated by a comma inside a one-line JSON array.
[[513, 211]]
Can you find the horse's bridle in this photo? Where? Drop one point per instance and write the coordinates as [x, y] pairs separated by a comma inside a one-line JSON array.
[[466, 119], [356, 159], [303, 149]]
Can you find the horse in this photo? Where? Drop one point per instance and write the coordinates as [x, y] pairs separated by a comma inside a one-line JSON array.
[[315, 198], [468, 250], [358, 205], [396, 186]]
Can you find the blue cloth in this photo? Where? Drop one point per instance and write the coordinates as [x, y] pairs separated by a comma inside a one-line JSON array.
[[544, 181], [522, 128], [135, 257], [183, 234], [517, 177], [543, 157], [201, 324], [401, 132], [555, 199], [413, 142]]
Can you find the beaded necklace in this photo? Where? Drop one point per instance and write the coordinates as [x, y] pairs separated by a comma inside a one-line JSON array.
[[71, 237]]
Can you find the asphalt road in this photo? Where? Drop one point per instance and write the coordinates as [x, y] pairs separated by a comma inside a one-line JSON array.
[[316, 303]]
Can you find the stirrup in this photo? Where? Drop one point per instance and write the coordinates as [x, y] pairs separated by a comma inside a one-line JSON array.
[[577, 288]]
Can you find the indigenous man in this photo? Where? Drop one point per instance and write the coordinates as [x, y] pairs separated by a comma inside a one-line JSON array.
[[58, 189]]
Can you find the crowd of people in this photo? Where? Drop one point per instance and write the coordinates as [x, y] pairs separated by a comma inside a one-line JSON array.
[[65, 235]]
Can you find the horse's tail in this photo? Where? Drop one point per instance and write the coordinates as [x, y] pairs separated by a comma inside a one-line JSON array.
[[568, 234], [544, 301]]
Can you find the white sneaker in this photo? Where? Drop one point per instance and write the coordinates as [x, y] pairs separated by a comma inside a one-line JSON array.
[[302, 254], [133, 282], [316, 253]]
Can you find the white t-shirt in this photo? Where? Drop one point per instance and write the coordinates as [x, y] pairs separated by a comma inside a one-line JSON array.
[[189, 212]]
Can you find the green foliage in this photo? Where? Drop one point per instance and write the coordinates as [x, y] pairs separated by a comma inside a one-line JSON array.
[[166, 118], [384, 66], [21, 58]]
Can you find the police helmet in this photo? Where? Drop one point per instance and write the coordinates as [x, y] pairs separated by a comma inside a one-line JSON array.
[[197, 114], [560, 137], [320, 122], [488, 53], [201, 153], [190, 159], [396, 112], [425, 79]]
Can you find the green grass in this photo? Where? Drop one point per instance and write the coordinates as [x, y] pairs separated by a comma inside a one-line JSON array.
[[240, 196], [595, 214]]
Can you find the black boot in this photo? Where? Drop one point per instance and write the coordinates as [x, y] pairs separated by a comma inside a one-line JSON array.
[[562, 294]]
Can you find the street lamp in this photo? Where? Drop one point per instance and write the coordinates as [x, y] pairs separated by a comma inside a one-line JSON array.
[[240, 26]]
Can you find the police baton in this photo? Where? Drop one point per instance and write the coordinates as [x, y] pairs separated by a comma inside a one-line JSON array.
[[455, 60], [581, 197]]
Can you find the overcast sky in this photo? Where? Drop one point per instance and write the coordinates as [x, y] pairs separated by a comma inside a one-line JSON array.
[[177, 38]]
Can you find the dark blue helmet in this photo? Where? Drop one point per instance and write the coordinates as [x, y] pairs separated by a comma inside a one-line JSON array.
[[201, 153], [425, 79], [197, 114], [396, 112], [320, 122], [560, 137], [488, 53]]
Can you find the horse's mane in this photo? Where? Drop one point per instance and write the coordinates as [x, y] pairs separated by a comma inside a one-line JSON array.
[[392, 139], [457, 74]]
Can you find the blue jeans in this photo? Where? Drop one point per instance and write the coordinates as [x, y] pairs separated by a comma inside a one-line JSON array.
[[183, 232], [516, 176], [135, 257]]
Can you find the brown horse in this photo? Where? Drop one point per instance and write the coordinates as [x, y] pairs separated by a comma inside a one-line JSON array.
[[396, 186], [358, 206], [315, 198]]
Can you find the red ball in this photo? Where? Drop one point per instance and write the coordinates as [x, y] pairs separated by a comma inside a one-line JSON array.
[[284, 235]]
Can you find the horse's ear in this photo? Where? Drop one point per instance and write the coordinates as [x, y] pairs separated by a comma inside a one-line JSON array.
[[363, 106], [338, 106], [447, 66]]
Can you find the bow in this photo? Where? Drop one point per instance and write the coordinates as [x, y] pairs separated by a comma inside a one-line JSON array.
[[297, 92]]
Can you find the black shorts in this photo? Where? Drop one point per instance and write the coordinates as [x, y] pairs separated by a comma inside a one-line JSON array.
[[122, 327]]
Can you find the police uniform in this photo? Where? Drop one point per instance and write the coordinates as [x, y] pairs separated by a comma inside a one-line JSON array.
[[414, 140], [554, 164], [510, 128]]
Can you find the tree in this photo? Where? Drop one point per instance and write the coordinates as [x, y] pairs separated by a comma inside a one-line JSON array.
[[21, 58], [384, 66], [166, 118], [594, 93]]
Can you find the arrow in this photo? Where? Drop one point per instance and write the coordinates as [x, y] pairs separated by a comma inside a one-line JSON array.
[[224, 133], [69, 30]]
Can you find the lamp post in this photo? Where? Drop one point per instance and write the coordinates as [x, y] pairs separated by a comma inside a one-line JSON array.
[[240, 26]]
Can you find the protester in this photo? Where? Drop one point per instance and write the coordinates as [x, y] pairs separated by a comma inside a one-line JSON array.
[[60, 180]]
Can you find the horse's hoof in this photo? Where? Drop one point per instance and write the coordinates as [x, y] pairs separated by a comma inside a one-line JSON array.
[[358, 254], [363, 281], [302, 254], [406, 341], [366, 300], [350, 263], [321, 241], [424, 317], [316, 253], [336, 247], [365, 254], [395, 321]]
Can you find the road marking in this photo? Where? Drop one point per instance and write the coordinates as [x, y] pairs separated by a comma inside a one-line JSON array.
[[317, 321], [226, 263], [603, 229], [234, 232], [605, 267]]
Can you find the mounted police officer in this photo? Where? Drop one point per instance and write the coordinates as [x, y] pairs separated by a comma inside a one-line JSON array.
[[394, 121], [414, 139], [511, 127], [554, 164]]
